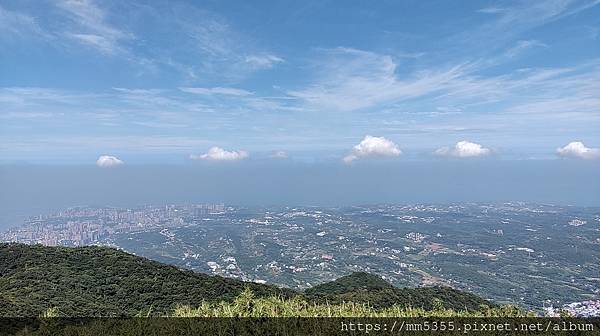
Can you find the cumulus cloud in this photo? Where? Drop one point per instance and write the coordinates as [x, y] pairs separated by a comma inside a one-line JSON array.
[[107, 161], [372, 146], [464, 149], [576, 149], [219, 154]]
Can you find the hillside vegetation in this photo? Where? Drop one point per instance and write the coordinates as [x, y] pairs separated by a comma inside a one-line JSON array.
[[248, 305], [371, 289], [93, 281], [100, 281]]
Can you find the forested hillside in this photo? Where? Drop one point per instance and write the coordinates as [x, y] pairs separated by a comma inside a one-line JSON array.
[[365, 287], [101, 281]]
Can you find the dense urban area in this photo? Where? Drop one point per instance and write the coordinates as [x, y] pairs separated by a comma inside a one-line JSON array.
[[539, 257]]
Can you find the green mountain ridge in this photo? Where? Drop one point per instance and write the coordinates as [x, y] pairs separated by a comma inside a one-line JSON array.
[[101, 281], [353, 282], [365, 287]]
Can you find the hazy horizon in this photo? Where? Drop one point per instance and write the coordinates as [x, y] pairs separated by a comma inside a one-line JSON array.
[[36, 189]]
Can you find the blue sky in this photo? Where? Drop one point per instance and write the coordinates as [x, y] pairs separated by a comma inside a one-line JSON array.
[[175, 81]]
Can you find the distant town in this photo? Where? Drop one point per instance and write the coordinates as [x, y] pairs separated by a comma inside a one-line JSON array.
[[85, 225], [541, 257]]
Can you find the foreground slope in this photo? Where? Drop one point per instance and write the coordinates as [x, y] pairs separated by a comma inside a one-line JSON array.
[[100, 281], [103, 281], [365, 287]]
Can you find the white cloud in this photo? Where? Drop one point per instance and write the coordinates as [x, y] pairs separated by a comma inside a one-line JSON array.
[[464, 149], [351, 79], [219, 154], [265, 61], [491, 10], [91, 27], [577, 149], [511, 21], [223, 50], [523, 45], [107, 161], [19, 96], [216, 90], [14, 24], [280, 155], [99, 42], [372, 146], [131, 143]]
